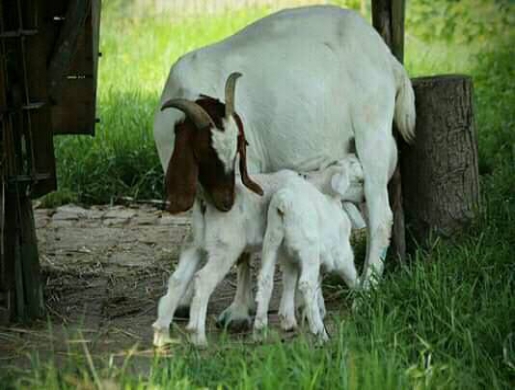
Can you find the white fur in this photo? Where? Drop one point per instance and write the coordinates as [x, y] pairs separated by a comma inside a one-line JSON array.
[[225, 143], [313, 78], [223, 237], [312, 231]]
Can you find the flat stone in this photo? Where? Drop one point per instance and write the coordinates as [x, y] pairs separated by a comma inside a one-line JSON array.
[[115, 222], [149, 240], [41, 222], [43, 212], [170, 220], [61, 223], [146, 220], [69, 212], [167, 220], [95, 214], [119, 213], [129, 259]]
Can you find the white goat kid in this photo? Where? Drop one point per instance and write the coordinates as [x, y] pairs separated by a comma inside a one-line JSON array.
[[223, 236], [312, 231], [314, 77]]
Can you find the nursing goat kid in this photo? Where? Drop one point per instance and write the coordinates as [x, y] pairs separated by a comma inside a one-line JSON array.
[[311, 231], [223, 236], [315, 77]]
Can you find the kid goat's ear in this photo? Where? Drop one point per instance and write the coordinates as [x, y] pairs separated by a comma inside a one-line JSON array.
[[340, 183]]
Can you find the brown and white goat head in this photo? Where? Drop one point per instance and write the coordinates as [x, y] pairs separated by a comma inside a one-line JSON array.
[[205, 150]]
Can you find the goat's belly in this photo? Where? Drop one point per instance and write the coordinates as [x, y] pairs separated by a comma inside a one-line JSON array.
[[302, 159], [305, 150]]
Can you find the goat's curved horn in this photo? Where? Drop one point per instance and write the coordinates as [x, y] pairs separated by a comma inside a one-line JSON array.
[[193, 111], [230, 87]]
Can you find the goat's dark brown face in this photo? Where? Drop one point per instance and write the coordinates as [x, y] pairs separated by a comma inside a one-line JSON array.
[[195, 160], [218, 184]]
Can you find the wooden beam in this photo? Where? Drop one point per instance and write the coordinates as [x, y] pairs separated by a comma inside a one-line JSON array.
[[397, 21], [388, 20], [381, 19], [76, 15]]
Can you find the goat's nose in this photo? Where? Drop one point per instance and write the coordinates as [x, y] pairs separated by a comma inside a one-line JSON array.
[[227, 204]]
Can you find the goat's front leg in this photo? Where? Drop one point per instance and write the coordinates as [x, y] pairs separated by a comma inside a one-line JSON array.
[[218, 264], [237, 316], [177, 285]]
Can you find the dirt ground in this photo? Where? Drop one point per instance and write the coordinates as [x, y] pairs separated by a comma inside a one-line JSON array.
[[104, 269]]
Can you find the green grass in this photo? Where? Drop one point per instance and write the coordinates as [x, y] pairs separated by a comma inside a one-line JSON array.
[[446, 320]]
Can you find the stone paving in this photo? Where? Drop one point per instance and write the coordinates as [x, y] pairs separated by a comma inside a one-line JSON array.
[[104, 269]]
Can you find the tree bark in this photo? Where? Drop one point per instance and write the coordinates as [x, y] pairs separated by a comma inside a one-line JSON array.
[[440, 170]]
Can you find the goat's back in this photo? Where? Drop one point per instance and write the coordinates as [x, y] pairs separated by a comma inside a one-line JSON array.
[[308, 218], [306, 72]]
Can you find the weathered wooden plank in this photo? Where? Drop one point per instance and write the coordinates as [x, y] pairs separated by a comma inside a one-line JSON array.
[[76, 116], [398, 19], [34, 306], [66, 45], [75, 110], [37, 124], [388, 20], [27, 151]]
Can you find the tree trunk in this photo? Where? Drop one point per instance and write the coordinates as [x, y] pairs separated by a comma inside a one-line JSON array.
[[440, 170]]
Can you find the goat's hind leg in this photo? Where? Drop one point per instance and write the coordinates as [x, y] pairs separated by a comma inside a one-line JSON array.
[[309, 286], [290, 275], [271, 243], [177, 286], [237, 316], [345, 267], [378, 154]]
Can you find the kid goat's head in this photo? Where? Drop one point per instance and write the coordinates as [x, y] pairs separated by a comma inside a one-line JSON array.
[[206, 146]]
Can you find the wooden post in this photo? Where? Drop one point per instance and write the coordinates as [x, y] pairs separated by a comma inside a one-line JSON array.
[[440, 170], [388, 20]]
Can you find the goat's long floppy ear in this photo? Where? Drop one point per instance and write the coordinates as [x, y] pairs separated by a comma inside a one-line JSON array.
[[340, 183], [181, 174], [247, 181]]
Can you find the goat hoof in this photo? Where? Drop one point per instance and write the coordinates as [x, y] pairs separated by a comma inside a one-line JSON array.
[[288, 324], [198, 340], [234, 319], [162, 338], [321, 338], [259, 334]]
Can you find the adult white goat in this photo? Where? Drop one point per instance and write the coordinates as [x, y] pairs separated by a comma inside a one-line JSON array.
[[315, 77]]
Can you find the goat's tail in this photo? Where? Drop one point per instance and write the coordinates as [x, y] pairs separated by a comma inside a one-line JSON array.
[[404, 114], [274, 234]]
